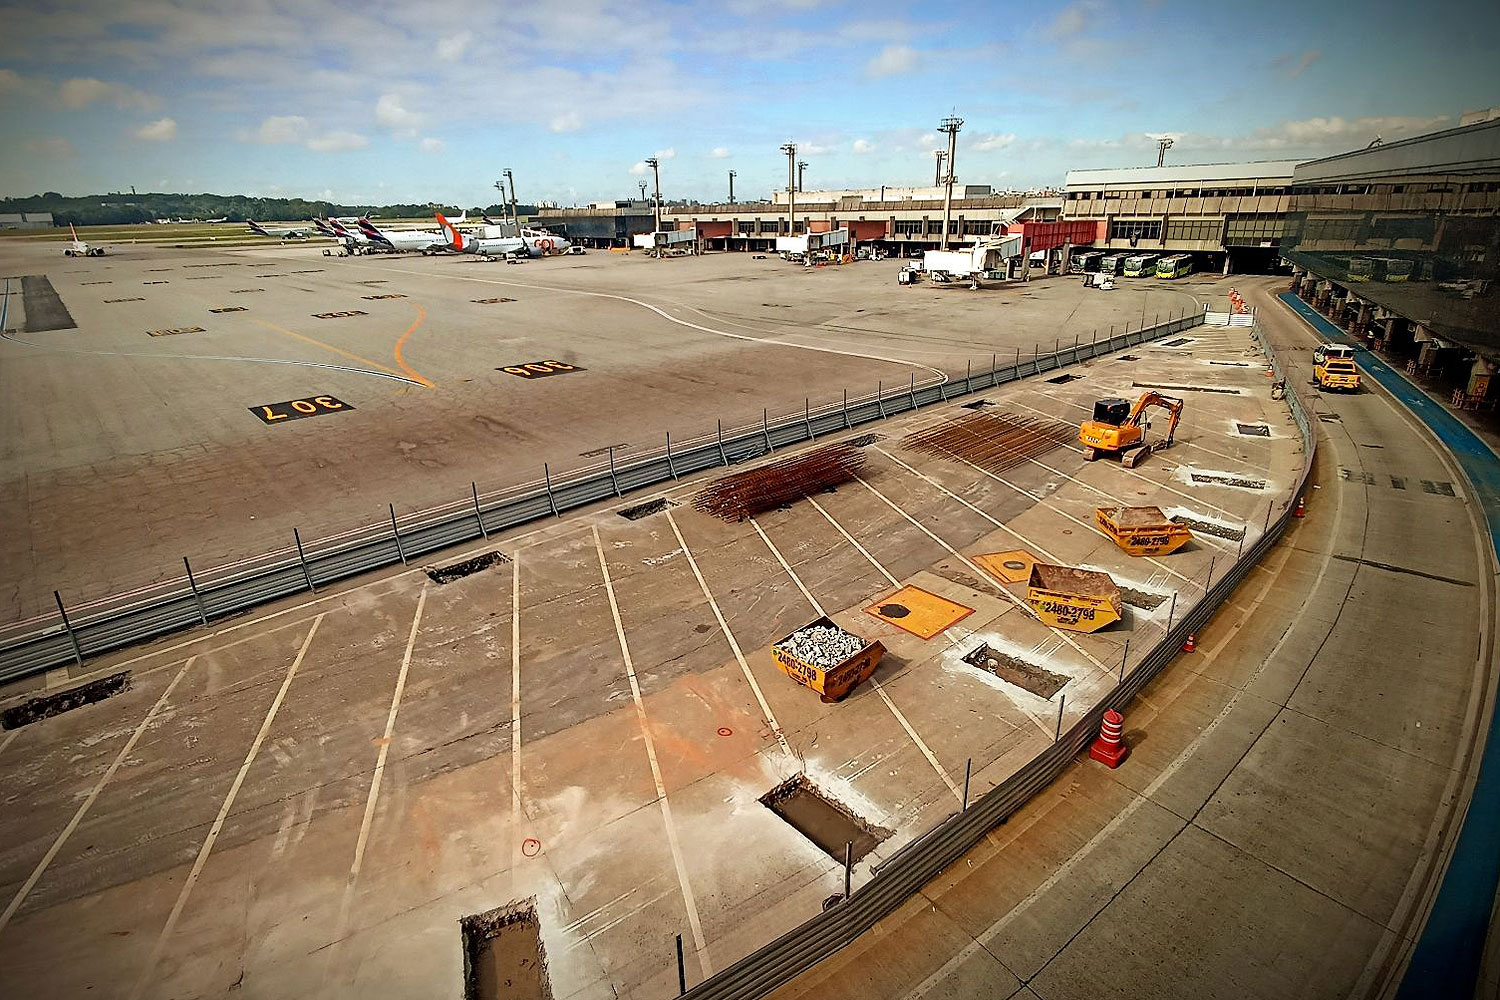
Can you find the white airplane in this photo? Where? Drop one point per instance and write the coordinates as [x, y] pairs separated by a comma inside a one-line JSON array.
[[532, 243], [78, 248], [398, 241], [354, 242], [292, 233]]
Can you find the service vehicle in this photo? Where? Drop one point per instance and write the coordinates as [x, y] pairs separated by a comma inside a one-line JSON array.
[[1119, 429], [1334, 368]]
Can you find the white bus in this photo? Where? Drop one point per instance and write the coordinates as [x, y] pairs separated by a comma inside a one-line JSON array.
[[1141, 265], [1085, 263]]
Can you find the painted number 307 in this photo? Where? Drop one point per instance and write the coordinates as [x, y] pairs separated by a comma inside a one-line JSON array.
[[296, 409]]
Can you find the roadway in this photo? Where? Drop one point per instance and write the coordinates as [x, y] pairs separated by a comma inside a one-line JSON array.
[[1282, 825]]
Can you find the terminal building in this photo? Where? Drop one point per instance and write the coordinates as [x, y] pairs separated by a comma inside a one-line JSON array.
[[1229, 216], [1400, 245]]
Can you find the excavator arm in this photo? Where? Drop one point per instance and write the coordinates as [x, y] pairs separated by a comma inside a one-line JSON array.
[[1172, 405]]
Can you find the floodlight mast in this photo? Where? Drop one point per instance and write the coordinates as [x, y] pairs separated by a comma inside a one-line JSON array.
[[950, 125]]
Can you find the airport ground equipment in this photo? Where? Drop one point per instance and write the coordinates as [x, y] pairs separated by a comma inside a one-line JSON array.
[[1142, 531], [827, 658], [1079, 600], [1334, 368], [1119, 428]]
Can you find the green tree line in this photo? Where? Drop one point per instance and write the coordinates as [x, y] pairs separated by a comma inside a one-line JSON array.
[[126, 209]]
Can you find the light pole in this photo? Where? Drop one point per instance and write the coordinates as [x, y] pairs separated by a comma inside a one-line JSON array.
[[504, 205], [1162, 145], [940, 155], [950, 125], [655, 166], [515, 215], [801, 168], [731, 187], [642, 186], [790, 149]]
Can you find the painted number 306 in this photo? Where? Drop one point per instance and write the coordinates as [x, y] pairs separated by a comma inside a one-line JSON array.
[[296, 409]]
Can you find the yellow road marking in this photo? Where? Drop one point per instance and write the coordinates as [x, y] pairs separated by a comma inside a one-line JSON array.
[[400, 361], [328, 347]]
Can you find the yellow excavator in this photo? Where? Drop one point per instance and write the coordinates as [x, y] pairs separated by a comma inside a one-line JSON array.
[[1119, 428]]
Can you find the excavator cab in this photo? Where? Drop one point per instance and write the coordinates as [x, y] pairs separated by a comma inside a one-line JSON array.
[[1117, 428]]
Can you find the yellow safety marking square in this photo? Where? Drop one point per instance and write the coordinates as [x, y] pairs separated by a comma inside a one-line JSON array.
[[920, 612], [1008, 567]]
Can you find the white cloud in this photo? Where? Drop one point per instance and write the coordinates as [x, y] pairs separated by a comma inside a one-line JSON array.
[[1070, 21], [279, 130], [431, 145], [161, 130], [639, 169], [336, 142], [665, 154], [927, 139], [80, 92], [569, 121], [893, 60], [993, 141], [720, 153], [392, 114], [50, 148], [454, 46], [863, 146]]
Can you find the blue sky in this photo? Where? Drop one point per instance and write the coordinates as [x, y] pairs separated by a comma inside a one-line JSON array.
[[388, 101]]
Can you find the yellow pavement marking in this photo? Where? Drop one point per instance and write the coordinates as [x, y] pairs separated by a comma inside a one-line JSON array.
[[733, 645], [401, 341], [920, 612], [36, 873], [218, 825], [369, 816], [329, 347], [699, 943]]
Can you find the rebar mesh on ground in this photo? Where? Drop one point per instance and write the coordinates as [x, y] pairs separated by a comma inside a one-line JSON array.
[[994, 442], [744, 494]]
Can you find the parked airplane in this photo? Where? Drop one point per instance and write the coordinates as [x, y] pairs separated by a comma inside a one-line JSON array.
[[533, 243], [78, 248], [401, 241], [293, 233]]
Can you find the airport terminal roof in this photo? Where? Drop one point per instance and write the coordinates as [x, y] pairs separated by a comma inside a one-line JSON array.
[[1186, 173]]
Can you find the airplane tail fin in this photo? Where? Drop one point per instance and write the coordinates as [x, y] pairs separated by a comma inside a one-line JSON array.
[[73, 231], [366, 227], [338, 227], [454, 236], [323, 227], [462, 216], [255, 227]]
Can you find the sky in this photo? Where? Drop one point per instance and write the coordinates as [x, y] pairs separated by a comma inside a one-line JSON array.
[[390, 101]]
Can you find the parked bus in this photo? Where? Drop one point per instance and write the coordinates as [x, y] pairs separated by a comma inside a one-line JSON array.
[[1141, 265], [1394, 268], [1112, 264], [1085, 263], [1361, 268], [1176, 266]]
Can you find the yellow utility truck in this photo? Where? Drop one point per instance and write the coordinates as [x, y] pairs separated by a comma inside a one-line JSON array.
[[1333, 368]]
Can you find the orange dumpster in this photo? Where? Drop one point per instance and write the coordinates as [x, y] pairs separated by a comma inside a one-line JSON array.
[[1142, 531], [1079, 600], [827, 658]]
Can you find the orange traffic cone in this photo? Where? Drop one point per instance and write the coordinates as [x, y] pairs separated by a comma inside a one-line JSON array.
[[1191, 645], [1109, 749], [1301, 510]]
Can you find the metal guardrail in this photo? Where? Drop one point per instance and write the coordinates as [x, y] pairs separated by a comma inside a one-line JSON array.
[[73, 634], [917, 863]]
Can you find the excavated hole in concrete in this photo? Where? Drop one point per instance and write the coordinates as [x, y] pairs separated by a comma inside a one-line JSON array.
[[1330, 418], [1143, 599], [503, 954], [459, 570], [978, 404], [1059, 380], [1210, 528], [646, 509], [865, 440], [46, 706], [823, 820], [1179, 342], [1253, 430], [1038, 680], [1127, 357], [1235, 481]]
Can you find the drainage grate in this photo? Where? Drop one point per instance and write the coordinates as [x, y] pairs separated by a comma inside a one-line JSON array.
[[229, 309], [1254, 430], [1038, 680], [823, 820], [1060, 379], [1440, 488], [503, 954], [1209, 527], [46, 706], [1217, 479], [459, 570], [1397, 483], [1187, 388], [646, 509]]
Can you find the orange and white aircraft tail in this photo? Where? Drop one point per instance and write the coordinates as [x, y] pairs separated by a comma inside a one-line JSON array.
[[455, 238]]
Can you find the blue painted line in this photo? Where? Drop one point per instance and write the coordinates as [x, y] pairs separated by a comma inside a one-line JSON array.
[[1445, 963]]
